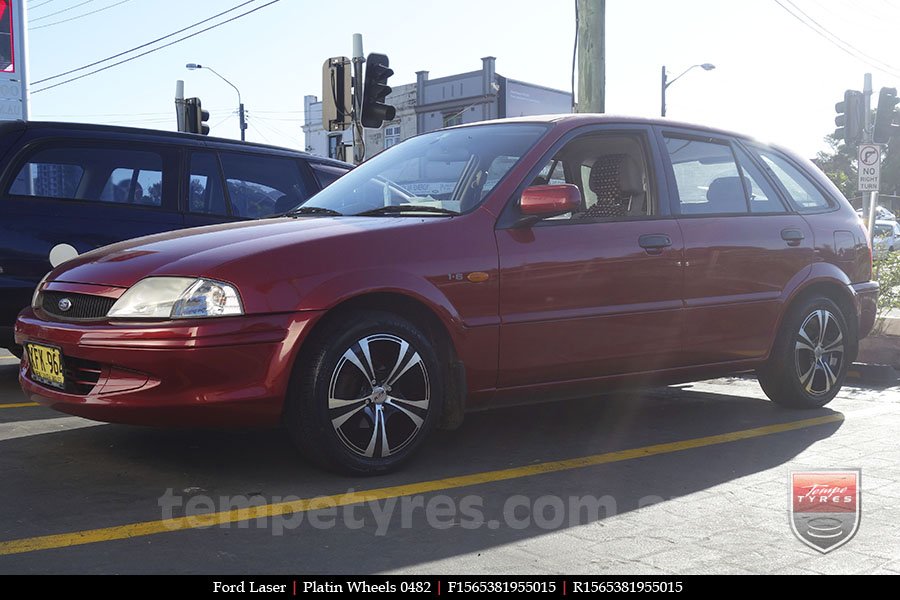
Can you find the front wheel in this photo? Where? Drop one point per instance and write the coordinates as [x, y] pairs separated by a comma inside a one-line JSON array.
[[809, 361], [365, 394]]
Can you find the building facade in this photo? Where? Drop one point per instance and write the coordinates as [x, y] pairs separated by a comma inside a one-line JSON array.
[[431, 104]]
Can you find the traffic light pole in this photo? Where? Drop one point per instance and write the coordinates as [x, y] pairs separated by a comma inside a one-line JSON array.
[[359, 144], [869, 137]]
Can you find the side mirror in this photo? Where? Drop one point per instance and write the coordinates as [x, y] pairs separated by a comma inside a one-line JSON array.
[[542, 201]]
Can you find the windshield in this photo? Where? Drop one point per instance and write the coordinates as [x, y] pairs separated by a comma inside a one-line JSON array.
[[441, 173]]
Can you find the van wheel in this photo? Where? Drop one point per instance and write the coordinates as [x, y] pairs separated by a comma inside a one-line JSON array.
[[809, 361], [365, 394]]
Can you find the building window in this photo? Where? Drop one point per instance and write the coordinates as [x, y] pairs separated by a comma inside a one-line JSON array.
[[334, 146], [391, 135], [451, 119]]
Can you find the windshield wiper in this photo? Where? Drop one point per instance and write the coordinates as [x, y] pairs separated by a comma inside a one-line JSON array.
[[406, 208], [313, 210]]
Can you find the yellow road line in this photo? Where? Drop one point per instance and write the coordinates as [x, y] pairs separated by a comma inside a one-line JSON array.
[[133, 530], [19, 405]]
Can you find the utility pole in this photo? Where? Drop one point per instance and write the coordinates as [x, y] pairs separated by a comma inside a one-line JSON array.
[[179, 105], [869, 137], [591, 31]]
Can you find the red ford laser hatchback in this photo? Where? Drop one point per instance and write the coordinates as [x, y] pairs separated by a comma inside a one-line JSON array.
[[485, 264]]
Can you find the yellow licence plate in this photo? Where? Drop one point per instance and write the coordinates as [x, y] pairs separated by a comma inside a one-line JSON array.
[[46, 365]]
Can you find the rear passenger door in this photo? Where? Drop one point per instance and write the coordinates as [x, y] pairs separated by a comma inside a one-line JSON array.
[[743, 246], [85, 195]]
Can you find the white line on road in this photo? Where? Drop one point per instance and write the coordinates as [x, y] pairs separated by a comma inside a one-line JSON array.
[[20, 429]]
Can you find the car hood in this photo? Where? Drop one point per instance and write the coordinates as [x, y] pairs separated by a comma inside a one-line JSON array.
[[257, 256]]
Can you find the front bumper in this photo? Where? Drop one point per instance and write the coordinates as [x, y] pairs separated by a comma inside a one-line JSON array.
[[218, 372]]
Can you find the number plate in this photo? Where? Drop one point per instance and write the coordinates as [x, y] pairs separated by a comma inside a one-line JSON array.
[[46, 365]]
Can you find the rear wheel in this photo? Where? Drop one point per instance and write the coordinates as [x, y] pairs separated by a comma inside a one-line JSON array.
[[16, 350], [809, 361], [365, 394]]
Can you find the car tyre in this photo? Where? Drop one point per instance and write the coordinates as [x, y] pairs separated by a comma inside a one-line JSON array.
[[16, 350], [366, 391], [809, 360]]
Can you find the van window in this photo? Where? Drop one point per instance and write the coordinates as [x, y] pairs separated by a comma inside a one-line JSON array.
[[259, 186], [92, 174], [707, 177], [326, 174], [206, 193]]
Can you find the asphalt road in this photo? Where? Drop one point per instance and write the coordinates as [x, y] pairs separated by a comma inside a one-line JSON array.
[[688, 479]]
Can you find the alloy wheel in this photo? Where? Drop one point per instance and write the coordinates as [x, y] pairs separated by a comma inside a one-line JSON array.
[[819, 352], [378, 396]]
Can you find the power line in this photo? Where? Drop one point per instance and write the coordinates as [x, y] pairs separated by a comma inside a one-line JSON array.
[[40, 4], [79, 16], [835, 40], [841, 40], [150, 43], [152, 50], [59, 12]]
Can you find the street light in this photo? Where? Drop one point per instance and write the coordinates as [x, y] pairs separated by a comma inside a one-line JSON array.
[[665, 83], [195, 66]]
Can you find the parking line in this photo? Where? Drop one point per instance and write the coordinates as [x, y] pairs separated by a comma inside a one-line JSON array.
[[19, 405], [134, 530]]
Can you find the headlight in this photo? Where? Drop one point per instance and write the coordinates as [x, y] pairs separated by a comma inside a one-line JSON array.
[[36, 296], [177, 298]]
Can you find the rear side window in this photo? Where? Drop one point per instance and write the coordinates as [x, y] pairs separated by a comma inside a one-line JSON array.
[[763, 197], [326, 174], [113, 175], [707, 177], [259, 186], [800, 188], [206, 194]]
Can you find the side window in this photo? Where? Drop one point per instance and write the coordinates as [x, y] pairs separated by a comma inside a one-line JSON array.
[[93, 174], [205, 191], [326, 174], [707, 177], [611, 173], [802, 191], [259, 186], [763, 197]]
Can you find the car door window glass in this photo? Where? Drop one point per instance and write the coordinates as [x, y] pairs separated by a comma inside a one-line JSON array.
[[763, 197], [802, 191], [707, 177], [610, 171], [93, 174], [259, 186], [205, 191]]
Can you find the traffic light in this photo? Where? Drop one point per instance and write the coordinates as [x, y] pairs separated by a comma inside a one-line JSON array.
[[375, 90], [336, 94], [885, 128], [850, 119], [196, 117]]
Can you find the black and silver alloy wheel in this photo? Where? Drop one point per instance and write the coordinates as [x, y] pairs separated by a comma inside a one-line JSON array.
[[378, 396], [366, 391], [808, 362], [819, 352]]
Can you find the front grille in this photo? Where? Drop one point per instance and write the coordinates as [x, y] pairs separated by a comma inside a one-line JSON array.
[[83, 306]]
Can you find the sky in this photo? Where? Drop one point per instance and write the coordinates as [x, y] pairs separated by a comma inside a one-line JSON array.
[[775, 78]]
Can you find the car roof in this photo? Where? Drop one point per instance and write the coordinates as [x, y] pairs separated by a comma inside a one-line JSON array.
[[576, 119], [169, 136]]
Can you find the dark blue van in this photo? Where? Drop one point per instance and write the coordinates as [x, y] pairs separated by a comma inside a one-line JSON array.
[[68, 188]]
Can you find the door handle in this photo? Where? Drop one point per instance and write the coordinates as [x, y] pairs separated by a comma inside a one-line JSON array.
[[792, 236], [654, 242]]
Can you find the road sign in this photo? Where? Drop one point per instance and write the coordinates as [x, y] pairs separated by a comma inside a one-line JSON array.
[[869, 167]]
